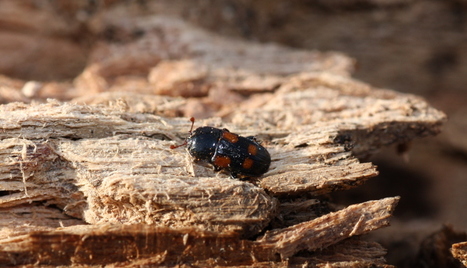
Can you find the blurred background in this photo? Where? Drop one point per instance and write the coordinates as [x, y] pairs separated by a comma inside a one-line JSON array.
[[416, 47]]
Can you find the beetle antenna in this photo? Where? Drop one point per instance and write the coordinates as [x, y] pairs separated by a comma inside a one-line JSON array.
[[192, 119], [176, 146]]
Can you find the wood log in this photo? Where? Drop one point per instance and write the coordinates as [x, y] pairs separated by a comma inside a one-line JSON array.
[[83, 244], [94, 175], [106, 165]]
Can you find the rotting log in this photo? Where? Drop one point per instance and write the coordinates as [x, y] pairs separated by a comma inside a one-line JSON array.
[[105, 165], [93, 181], [83, 244]]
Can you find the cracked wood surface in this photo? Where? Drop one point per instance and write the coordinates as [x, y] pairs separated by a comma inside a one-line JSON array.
[[103, 164], [98, 169], [82, 245], [312, 235]]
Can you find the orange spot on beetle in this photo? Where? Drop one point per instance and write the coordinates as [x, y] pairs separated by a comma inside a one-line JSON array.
[[252, 150], [222, 161], [232, 138], [248, 163]]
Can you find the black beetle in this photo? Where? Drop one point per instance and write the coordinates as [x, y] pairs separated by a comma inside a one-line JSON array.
[[243, 157]]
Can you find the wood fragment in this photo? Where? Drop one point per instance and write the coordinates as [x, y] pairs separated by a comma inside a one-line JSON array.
[[86, 244], [322, 232], [353, 252], [353, 114], [9, 90], [183, 60], [124, 178], [459, 251]]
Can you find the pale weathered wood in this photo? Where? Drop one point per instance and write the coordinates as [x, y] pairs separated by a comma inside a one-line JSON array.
[[459, 251], [351, 112], [109, 165], [124, 178], [105, 164], [182, 60], [104, 159]]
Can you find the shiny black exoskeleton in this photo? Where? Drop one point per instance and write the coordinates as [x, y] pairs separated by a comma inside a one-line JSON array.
[[243, 157]]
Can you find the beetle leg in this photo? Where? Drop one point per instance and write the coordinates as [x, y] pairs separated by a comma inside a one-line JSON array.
[[252, 138], [216, 168]]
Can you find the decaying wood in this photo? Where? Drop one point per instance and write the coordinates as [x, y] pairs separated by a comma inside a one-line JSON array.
[[123, 178], [316, 234], [169, 246], [459, 251], [95, 141], [349, 253], [182, 60], [107, 165], [105, 159], [174, 58], [364, 118]]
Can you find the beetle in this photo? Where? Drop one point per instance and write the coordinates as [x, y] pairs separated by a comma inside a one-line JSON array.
[[242, 157]]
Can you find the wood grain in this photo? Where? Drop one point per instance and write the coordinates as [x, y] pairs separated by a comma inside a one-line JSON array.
[[92, 180]]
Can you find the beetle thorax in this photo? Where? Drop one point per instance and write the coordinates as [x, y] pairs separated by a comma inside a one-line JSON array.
[[202, 142]]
